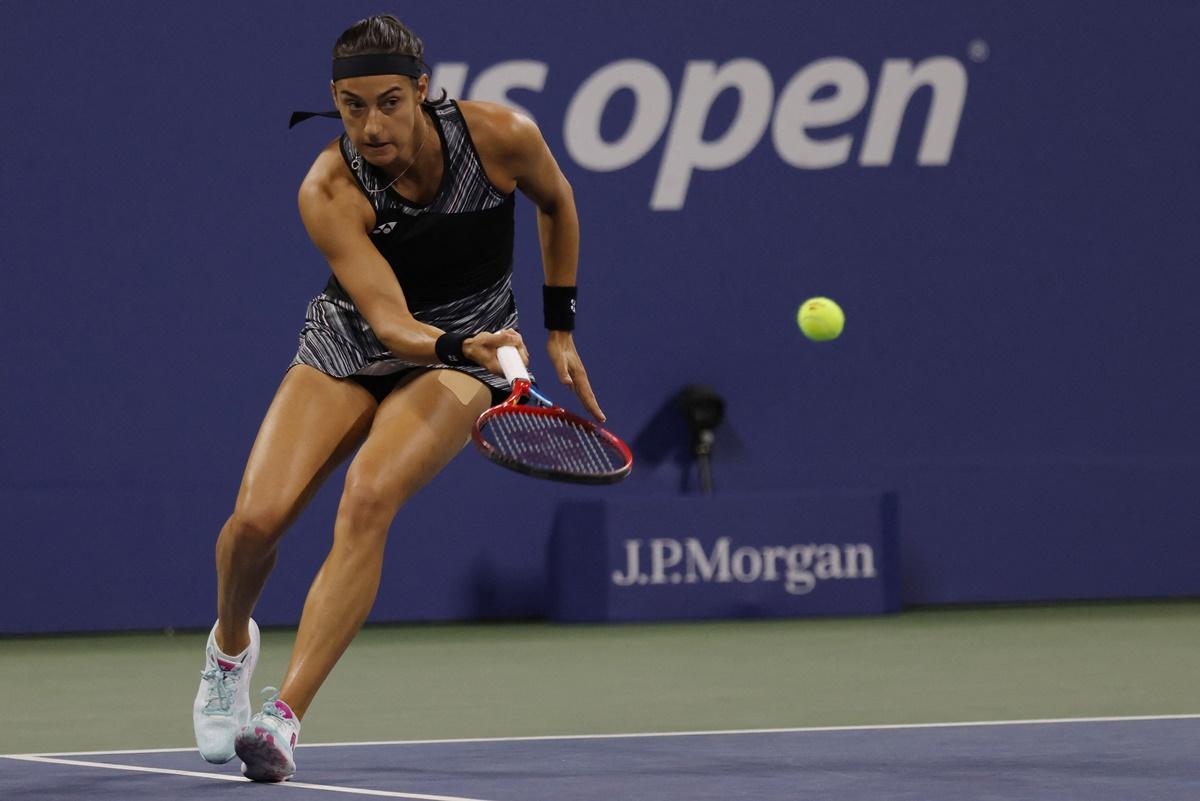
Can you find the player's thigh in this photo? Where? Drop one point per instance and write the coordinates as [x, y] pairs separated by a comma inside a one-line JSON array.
[[417, 430], [314, 422]]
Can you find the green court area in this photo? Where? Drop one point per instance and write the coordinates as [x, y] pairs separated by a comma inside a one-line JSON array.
[[400, 682]]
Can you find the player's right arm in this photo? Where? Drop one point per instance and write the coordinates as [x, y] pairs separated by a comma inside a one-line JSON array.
[[338, 219]]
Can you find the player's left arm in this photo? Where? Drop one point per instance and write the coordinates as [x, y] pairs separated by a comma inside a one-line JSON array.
[[523, 158]]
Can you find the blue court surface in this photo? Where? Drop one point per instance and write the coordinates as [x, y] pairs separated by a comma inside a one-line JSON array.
[[1099, 759]]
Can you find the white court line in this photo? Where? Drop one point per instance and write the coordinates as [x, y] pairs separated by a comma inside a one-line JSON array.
[[799, 730], [330, 788], [721, 732]]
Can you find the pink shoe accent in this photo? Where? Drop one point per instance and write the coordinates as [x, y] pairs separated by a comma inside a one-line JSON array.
[[285, 710], [224, 665]]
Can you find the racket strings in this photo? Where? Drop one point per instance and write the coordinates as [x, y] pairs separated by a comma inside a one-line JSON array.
[[552, 442]]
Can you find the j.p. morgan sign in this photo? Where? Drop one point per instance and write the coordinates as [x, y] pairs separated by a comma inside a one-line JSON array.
[[778, 555], [797, 568]]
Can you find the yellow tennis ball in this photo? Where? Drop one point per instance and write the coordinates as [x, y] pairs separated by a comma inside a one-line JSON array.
[[821, 319]]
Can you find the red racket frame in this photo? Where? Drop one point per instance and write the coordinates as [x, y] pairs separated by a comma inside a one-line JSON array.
[[512, 405]]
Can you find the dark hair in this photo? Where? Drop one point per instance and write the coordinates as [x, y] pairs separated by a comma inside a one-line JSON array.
[[383, 33]]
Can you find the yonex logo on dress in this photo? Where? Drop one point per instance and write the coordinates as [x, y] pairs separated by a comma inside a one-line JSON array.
[[825, 94], [386, 228], [799, 567]]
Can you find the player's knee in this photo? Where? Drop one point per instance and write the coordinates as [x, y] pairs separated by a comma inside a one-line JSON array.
[[257, 522], [367, 506]]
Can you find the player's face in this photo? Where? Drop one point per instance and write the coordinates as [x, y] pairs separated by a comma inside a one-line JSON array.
[[382, 114]]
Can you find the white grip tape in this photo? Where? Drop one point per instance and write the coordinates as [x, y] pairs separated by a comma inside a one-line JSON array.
[[511, 364]]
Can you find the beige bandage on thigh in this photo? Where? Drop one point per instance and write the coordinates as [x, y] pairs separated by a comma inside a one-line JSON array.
[[466, 388]]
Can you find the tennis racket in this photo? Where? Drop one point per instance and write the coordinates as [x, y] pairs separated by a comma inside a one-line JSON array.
[[531, 434]]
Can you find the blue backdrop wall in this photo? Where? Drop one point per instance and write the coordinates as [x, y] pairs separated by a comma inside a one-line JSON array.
[[1002, 196]]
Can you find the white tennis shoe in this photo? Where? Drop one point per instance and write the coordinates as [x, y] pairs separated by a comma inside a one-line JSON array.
[[222, 705], [267, 742]]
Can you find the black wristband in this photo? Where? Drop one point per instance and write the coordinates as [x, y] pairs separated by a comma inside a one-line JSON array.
[[558, 307], [449, 349]]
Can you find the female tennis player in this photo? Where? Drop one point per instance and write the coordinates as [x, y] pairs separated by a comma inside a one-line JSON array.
[[413, 208]]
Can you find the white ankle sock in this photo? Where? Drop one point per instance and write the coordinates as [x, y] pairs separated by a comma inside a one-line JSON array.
[[226, 656], [222, 655]]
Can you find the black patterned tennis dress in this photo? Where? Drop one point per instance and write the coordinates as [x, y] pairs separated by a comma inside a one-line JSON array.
[[452, 257]]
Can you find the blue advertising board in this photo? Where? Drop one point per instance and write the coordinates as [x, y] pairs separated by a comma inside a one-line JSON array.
[[755, 555]]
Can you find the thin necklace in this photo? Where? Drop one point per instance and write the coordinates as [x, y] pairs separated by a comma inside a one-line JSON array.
[[424, 136]]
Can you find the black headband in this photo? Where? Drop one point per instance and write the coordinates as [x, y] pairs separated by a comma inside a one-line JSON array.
[[376, 64], [358, 66]]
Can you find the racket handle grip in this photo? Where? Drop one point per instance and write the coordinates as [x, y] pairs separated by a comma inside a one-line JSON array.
[[511, 364]]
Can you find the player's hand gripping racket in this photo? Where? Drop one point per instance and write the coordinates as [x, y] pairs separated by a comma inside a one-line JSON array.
[[539, 438]]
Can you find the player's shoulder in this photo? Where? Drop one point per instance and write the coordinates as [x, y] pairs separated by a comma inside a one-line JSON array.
[[329, 186], [497, 128], [329, 177], [327, 173]]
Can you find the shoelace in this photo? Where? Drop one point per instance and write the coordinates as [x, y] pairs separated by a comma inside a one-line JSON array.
[[269, 708], [222, 686]]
